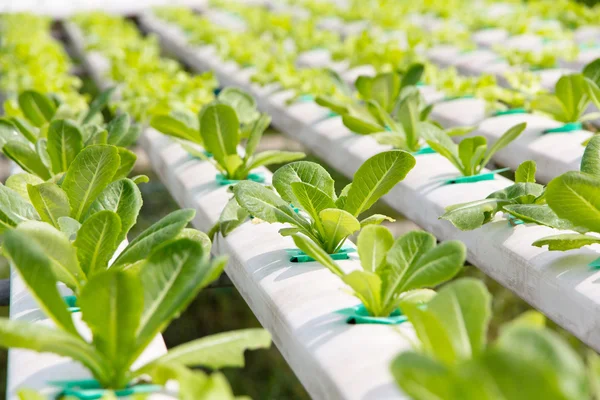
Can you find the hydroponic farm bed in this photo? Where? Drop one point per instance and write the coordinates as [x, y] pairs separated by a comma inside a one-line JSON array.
[[475, 121]]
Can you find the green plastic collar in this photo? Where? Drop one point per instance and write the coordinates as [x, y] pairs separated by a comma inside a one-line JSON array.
[[359, 315], [298, 256], [305, 98], [423, 150], [90, 389], [510, 111], [253, 176], [206, 153], [595, 264], [487, 176], [71, 303], [514, 221], [450, 98], [568, 127]]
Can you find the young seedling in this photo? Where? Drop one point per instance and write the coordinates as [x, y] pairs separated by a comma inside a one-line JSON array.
[[390, 108], [125, 308], [45, 144], [572, 96], [393, 270], [573, 196], [326, 218], [220, 132], [454, 361], [383, 88], [471, 155], [524, 201]]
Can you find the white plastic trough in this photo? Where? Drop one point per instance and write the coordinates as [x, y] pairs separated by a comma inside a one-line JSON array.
[[561, 285]]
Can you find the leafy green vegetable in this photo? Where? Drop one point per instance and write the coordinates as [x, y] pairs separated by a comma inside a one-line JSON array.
[[573, 197], [149, 84], [454, 360], [525, 200], [65, 141], [570, 99], [221, 131], [125, 310], [325, 218], [160, 232], [393, 269], [389, 107], [92, 170], [48, 146], [38, 109], [471, 155]]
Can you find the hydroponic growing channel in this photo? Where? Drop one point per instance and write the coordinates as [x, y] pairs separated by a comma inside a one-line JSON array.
[[476, 120]]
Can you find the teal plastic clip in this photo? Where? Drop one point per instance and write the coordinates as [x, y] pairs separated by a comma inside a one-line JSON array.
[[514, 221], [420, 84], [487, 176], [569, 127], [450, 98], [298, 256], [206, 153], [595, 264], [305, 98], [423, 150], [510, 111], [253, 176], [71, 303], [588, 46], [329, 115], [359, 315], [90, 389]]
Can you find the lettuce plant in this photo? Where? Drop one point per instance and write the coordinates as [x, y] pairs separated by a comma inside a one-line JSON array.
[[93, 204], [148, 83], [32, 59], [220, 134], [94, 181], [125, 308], [546, 57], [557, 206], [571, 98], [324, 217], [367, 49], [45, 144], [389, 108], [573, 196], [471, 155], [184, 125], [393, 269], [383, 88], [455, 361]]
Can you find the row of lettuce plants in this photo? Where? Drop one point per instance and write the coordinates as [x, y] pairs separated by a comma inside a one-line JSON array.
[[65, 220], [453, 358], [386, 107], [30, 58], [520, 18], [567, 104], [556, 36]]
